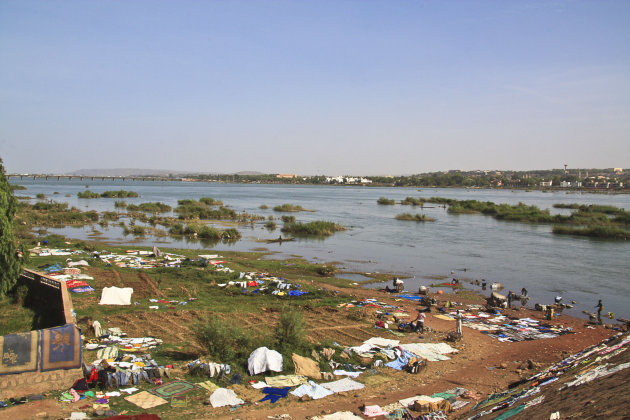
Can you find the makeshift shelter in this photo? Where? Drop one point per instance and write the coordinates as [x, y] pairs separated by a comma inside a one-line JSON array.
[[262, 360]]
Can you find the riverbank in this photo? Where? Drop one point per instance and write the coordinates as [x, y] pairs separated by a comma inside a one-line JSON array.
[[333, 312]]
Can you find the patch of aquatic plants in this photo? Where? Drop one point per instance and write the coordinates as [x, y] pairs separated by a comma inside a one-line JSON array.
[[53, 214], [150, 207], [289, 208], [385, 201], [288, 219], [595, 220], [119, 194], [591, 208], [316, 228], [16, 187], [210, 201], [415, 217], [411, 201], [203, 232], [109, 215], [595, 231], [196, 210], [107, 194], [88, 194]]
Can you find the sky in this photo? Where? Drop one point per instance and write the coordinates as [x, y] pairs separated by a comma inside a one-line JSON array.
[[322, 87]]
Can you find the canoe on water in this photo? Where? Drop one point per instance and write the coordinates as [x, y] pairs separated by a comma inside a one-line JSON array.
[[271, 241]]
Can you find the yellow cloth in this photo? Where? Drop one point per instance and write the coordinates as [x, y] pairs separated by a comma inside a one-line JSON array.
[[208, 385]]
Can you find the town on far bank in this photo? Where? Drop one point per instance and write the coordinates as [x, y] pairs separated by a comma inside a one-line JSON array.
[[583, 179]]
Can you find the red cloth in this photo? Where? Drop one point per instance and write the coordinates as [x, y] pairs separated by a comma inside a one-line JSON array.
[[252, 284], [75, 283]]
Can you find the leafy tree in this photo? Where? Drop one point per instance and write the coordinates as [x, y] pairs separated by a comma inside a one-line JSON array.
[[10, 262]]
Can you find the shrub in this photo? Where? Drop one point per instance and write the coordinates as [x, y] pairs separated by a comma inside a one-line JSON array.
[[208, 232], [288, 219], [40, 196], [120, 204], [263, 207], [271, 225], [289, 334], [225, 341], [231, 234], [176, 229]]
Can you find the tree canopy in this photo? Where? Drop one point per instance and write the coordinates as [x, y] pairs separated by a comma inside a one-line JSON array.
[[10, 262]]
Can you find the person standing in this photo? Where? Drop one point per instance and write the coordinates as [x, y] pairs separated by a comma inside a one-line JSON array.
[[458, 323], [510, 296], [600, 308], [420, 321]]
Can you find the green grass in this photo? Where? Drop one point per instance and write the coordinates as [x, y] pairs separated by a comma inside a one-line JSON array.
[[385, 201], [14, 317]]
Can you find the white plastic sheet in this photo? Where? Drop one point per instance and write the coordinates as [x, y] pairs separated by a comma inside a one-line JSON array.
[[116, 296], [223, 396]]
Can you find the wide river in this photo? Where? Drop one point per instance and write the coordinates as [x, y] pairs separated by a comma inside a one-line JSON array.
[[515, 254]]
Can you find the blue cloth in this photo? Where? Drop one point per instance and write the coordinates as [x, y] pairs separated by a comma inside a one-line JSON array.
[[274, 394], [296, 293], [410, 297], [402, 361], [53, 268]]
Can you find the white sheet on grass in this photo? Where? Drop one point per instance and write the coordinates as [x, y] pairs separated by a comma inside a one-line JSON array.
[[381, 342], [223, 396], [430, 351], [116, 296], [313, 390], [343, 385]]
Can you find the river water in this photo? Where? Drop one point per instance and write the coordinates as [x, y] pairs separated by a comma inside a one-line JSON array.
[[515, 254]]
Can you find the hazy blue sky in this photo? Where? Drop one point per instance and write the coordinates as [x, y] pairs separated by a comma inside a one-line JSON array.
[[314, 87]]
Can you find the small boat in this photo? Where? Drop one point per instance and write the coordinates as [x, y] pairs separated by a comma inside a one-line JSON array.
[[280, 240]]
